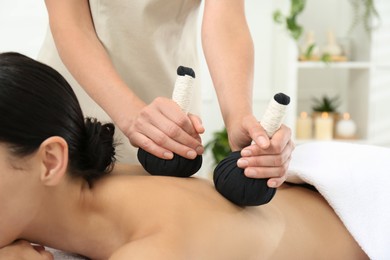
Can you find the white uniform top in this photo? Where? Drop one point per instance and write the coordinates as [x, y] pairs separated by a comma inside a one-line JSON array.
[[147, 40]]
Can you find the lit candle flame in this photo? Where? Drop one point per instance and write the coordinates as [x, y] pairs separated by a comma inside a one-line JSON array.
[[346, 116], [303, 114]]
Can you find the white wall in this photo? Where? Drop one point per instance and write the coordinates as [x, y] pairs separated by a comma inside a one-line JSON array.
[[23, 24]]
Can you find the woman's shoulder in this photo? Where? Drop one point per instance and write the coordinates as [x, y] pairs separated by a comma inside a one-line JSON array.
[[129, 169]]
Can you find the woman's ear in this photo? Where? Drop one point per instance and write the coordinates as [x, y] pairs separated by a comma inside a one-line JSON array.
[[54, 160]]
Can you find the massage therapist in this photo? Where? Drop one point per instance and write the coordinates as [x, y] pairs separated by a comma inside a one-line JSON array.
[[121, 57]]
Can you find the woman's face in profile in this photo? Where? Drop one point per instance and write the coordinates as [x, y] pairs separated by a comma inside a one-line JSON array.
[[19, 191]]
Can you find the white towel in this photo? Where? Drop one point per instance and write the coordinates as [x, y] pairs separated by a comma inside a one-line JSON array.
[[60, 255], [355, 180]]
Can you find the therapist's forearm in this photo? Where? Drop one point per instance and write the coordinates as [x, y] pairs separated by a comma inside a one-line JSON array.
[[87, 60], [229, 53]]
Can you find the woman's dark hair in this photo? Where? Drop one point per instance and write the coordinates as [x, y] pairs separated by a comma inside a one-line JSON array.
[[36, 102]]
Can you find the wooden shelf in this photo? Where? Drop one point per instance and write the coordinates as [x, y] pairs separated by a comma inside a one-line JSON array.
[[362, 83], [358, 141]]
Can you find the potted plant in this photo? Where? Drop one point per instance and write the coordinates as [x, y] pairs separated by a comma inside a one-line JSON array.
[[327, 105], [219, 146]]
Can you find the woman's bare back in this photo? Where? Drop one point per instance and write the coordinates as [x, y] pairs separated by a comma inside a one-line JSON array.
[[175, 218]]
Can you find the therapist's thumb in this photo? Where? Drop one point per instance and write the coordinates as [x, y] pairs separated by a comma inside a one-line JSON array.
[[197, 123], [258, 135]]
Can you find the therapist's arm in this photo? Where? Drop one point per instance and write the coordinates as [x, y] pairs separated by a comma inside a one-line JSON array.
[[159, 127], [229, 53]]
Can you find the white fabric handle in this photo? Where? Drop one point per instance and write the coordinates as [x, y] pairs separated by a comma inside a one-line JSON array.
[[273, 117], [182, 92]]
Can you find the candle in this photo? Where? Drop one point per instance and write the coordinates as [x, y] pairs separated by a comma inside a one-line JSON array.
[[324, 127], [346, 127], [304, 126]]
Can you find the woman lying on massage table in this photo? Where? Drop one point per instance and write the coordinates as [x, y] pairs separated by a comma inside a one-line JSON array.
[[55, 190]]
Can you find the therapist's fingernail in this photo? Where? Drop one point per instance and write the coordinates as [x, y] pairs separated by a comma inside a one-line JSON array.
[[199, 149], [242, 163], [250, 173], [191, 154], [246, 153], [272, 184], [168, 155], [262, 141]]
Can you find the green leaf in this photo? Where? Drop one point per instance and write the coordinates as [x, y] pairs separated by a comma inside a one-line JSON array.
[[297, 6], [326, 58], [309, 51], [326, 104], [295, 30], [219, 145], [278, 17]]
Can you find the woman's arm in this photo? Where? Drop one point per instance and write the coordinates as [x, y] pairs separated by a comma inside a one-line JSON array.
[[154, 247], [158, 128], [229, 53], [23, 250]]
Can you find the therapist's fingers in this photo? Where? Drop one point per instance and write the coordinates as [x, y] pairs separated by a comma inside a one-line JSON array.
[[266, 166], [242, 132], [160, 145], [256, 132], [272, 162], [141, 141], [197, 123], [277, 144], [23, 250], [274, 158], [276, 182], [162, 129], [276, 174], [271, 157], [181, 134], [273, 167], [170, 110]]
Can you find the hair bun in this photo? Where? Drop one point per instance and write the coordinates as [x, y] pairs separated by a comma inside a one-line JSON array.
[[99, 153]]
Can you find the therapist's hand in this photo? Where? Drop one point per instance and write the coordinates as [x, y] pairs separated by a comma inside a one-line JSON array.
[[267, 157], [23, 250], [162, 128]]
